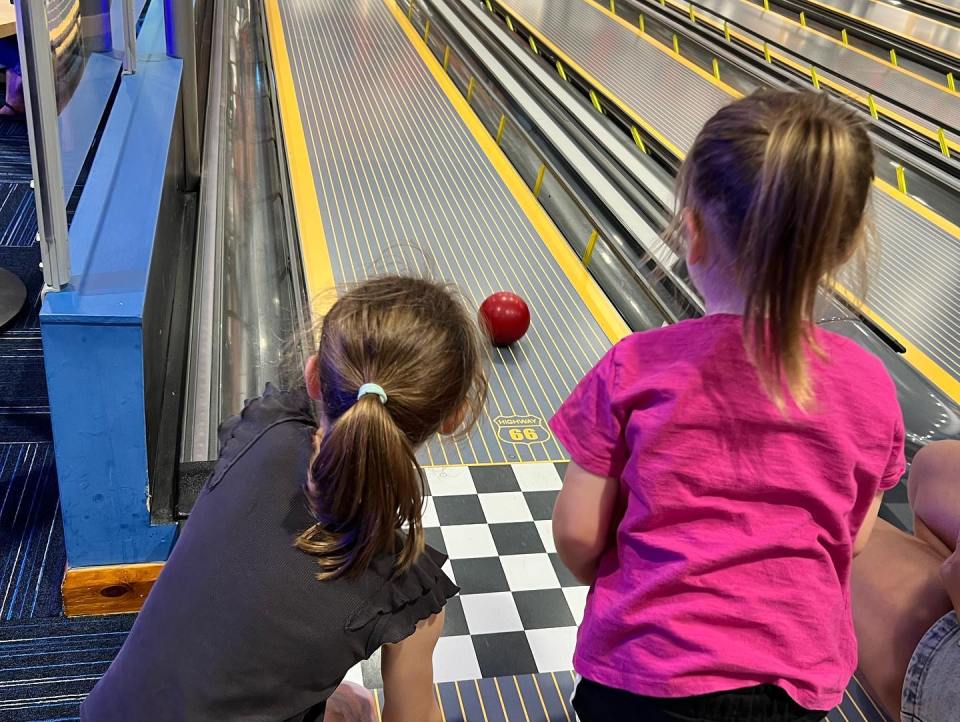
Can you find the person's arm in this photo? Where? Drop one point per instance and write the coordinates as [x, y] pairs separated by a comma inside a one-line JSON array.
[[866, 529], [581, 520], [407, 669]]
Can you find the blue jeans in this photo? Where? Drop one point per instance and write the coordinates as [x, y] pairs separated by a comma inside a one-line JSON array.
[[931, 689]]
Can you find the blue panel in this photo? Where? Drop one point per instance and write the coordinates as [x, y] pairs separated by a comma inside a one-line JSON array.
[[96, 380], [92, 333], [81, 117]]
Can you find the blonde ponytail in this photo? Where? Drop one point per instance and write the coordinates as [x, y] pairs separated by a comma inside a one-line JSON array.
[[782, 180]]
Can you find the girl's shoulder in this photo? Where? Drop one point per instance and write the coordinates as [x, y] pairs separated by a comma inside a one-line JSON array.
[[644, 352], [275, 407], [683, 332], [391, 610]]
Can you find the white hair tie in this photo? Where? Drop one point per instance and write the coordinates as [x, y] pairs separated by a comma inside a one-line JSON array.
[[372, 389]]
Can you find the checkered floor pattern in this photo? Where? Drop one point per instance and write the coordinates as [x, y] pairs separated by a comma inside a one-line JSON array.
[[519, 607]]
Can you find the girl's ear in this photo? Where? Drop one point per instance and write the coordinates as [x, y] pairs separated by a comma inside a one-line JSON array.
[[312, 378], [454, 420], [696, 240]]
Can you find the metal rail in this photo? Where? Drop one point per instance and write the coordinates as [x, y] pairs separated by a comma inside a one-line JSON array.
[[40, 96], [616, 248], [182, 43], [129, 37], [246, 306]]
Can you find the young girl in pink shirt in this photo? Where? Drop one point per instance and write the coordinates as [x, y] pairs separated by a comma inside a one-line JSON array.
[[726, 470]]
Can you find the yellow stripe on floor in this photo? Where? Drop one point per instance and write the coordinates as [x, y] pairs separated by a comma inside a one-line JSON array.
[[313, 243], [607, 317]]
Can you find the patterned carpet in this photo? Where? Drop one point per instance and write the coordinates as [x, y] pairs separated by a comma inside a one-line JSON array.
[[47, 663]]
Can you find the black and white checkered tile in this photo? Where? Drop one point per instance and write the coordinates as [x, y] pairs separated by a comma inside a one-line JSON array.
[[519, 607]]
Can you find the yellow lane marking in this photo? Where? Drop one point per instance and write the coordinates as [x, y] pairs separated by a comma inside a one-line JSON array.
[[543, 703], [854, 702], [856, 95], [914, 205], [917, 358], [643, 123], [923, 363], [610, 322], [463, 712], [443, 714], [926, 212], [67, 24], [313, 243], [690, 65], [503, 707], [523, 705], [563, 700], [483, 707]]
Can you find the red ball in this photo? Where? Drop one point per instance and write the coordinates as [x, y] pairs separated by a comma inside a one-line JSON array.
[[505, 317]]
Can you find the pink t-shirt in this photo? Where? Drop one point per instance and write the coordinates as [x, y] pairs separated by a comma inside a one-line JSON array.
[[731, 562]]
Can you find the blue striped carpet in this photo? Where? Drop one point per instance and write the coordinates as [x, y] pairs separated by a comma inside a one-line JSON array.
[[47, 663]]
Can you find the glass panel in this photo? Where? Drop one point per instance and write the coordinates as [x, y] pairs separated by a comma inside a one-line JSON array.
[[87, 58]]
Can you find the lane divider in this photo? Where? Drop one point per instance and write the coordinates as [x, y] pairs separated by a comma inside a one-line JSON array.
[[596, 301], [917, 358], [743, 36], [313, 243]]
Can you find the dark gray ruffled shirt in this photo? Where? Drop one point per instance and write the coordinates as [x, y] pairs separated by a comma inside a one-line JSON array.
[[237, 627]]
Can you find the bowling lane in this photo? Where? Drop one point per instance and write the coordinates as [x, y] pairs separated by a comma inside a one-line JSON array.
[[402, 176]]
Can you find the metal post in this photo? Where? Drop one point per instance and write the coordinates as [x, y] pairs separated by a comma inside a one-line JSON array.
[[129, 38], [182, 43], [40, 96]]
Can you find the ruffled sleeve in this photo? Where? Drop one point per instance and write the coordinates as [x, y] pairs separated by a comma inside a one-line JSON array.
[[393, 612], [238, 433]]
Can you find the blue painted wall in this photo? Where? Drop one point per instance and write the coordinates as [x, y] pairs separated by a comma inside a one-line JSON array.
[[92, 330]]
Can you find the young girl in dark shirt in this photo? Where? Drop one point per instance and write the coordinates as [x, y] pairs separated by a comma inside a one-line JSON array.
[[305, 553]]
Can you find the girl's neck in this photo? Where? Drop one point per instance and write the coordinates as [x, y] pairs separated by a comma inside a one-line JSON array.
[[725, 306], [718, 289]]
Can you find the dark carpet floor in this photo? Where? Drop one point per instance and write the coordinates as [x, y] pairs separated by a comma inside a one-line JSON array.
[[47, 663]]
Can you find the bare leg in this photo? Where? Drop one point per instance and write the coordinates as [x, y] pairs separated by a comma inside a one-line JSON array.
[[897, 596], [898, 592], [934, 493], [350, 703]]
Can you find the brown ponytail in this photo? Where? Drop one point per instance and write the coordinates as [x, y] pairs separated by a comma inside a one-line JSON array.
[[416, 340], [780, 182]]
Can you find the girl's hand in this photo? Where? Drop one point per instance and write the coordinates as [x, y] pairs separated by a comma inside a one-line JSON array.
[[350, 703], [950, 575]]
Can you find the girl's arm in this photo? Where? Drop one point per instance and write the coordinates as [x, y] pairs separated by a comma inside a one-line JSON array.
[[407, 669], [581, 520], [869, 522]]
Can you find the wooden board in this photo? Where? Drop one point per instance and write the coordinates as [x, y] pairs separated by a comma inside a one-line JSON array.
[[116, 589], [8, 19]]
